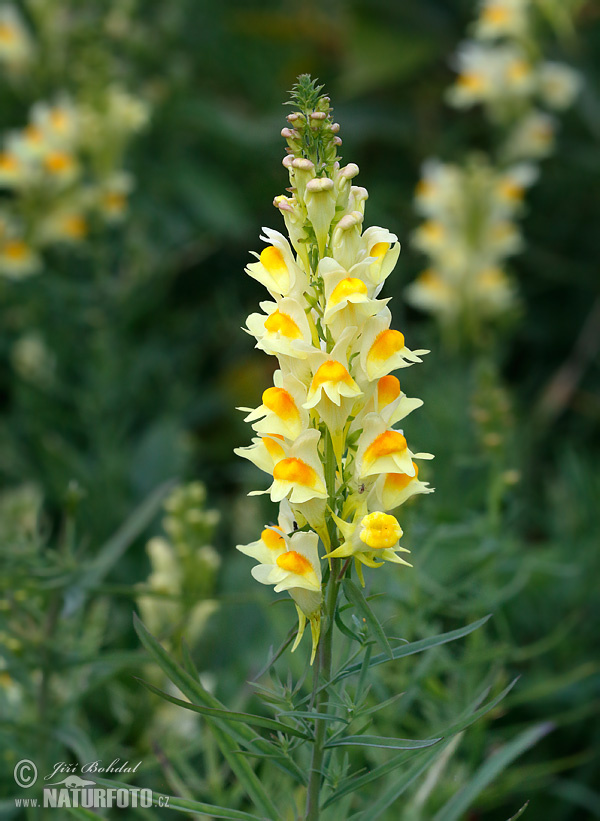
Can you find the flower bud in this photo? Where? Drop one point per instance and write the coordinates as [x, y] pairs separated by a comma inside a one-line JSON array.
[[320, 205]]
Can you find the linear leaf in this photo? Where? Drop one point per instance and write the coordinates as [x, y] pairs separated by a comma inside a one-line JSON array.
[[382, 742], [520, 813], [312, 716], [462, 800], [185, 804], [354, 595], [356, 783], [228, 715], [415, 647], [220, 728]]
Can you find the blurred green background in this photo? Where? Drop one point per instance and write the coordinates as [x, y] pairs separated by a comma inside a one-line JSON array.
[[142, 324]]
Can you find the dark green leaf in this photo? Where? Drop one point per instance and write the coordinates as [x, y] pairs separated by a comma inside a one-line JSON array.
[[383, 743]]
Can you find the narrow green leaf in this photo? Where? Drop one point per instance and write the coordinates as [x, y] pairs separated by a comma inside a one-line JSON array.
[[188, 661], [355, 596], [462, 800], [343, 628], [184, 804], [382, 742], [520, 813], [225, 735], [381, 705], [414, 647], [312, 716], [353, 783], [228, 715]]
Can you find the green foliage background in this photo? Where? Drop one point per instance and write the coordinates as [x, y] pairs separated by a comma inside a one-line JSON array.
[[144, 324]]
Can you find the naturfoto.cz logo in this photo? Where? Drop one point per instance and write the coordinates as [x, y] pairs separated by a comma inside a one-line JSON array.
[[73, 791]]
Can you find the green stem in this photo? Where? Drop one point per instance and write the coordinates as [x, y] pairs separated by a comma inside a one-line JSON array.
[[323, 665], [323, 668]]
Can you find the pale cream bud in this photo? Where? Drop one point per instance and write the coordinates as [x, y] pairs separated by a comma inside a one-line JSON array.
[[320, 204]]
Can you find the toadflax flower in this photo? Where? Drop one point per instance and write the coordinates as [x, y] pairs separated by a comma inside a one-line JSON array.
[[470, 209], [325, 429]]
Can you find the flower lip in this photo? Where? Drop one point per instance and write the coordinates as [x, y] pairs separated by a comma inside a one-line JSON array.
[[282, 323], [296, 471], [294, 562], [399, 481], [386, 344], [346, 289], [386, 444], [272, 259], [388, 390], [330, 371], [273, 538], [380, 530], [281, 403]]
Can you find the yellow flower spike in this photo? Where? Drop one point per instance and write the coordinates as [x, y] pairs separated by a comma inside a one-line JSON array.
[[336, 350]]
